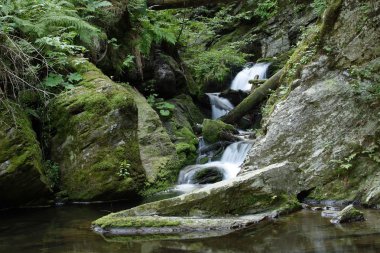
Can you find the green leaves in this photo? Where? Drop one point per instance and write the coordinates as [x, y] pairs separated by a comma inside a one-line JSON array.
[[163, 108], [54, 81]]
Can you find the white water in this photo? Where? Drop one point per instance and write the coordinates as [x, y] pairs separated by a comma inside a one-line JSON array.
[[229, 165], [219, 106], [257, 71]]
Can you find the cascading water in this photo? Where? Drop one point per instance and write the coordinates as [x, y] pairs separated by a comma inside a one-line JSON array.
[[257, 71], [219, 106], [227, 167]]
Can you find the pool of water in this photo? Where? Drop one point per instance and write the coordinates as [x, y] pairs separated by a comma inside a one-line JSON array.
[[67, 229]]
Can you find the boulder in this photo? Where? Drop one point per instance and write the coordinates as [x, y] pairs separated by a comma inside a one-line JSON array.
[[208, 176], [348, 214], [94, 139], [180, 125], [22, 180], [157, 152], [215, 130]]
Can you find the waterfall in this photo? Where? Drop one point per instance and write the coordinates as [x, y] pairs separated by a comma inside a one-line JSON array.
[[228, 166], [219, 106], [257, 71]]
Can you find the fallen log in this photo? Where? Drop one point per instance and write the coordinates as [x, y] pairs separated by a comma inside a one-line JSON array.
[[255, 98]]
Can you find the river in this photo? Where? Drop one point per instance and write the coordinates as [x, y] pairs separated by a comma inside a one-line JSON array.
[[66, 229]]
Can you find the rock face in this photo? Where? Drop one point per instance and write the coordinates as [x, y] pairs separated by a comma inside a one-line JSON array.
[[22, 182], [328, 126], [180, 128], [107, 140], [157, 152], [348, 214], [95, 139]]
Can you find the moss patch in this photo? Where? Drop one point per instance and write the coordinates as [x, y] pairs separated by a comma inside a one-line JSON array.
[[213, 129]]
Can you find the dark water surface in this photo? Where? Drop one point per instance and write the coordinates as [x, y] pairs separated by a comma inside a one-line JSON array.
[[67, 229]]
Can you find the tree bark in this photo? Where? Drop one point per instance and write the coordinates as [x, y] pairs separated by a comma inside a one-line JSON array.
[[173, 4], [255, 98]]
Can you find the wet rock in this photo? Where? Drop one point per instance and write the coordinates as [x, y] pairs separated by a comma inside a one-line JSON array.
[[234, 96], [329, 213], [116, 225], [186, 117], [213, 130], [316, 208], [305, 206], [208, 176], [348, 214], [22, 175]]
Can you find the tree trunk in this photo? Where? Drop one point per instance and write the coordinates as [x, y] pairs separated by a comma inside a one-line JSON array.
[[255, 98], [173, 4]]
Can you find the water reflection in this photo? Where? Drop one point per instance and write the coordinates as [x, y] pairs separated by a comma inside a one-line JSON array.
[[66, 229]]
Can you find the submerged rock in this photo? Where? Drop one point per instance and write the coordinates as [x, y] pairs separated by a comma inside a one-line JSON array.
[[208, 176], [145, 225], [22, 180], [348, 214]]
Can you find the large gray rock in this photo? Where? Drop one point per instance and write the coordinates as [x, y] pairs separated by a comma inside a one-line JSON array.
[[108, 141], [328, 127], [22, 180]]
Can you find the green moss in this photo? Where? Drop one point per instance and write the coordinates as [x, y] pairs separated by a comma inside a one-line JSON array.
[[212, 129], [22, 179], [134, 222], [94, 128]]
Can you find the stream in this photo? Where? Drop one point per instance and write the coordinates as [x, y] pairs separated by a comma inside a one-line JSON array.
[[66, 229]]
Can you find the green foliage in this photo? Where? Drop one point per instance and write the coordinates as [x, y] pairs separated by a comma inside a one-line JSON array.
[[152, 26], [215, 65], [53, 81], [266, 9], [39, 36], [52, 173], [123, 169], [164, 109], [366, 79], [319, 6]]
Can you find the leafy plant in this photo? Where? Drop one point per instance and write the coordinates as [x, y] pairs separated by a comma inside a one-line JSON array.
[[52, 173], [163, 108], [266, 9], [215, 65], [59, 81], [123, 169]]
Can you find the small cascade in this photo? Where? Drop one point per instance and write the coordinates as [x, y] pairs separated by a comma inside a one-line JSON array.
[[220, 106], [228, 166], [257, 71]]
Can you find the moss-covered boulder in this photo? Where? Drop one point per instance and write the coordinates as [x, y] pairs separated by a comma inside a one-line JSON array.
[[94, 139], [347, 215], [157, 152], [21, 171], [213, 130], [180, 128]]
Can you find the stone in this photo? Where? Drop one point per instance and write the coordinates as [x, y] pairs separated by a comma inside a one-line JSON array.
[[22, 176], [186, 116], [213, 130], [347, 215], [208, 175], [157, 152]]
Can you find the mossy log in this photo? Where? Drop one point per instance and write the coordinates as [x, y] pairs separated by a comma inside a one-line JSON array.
[[173, 4], [256, 97]]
